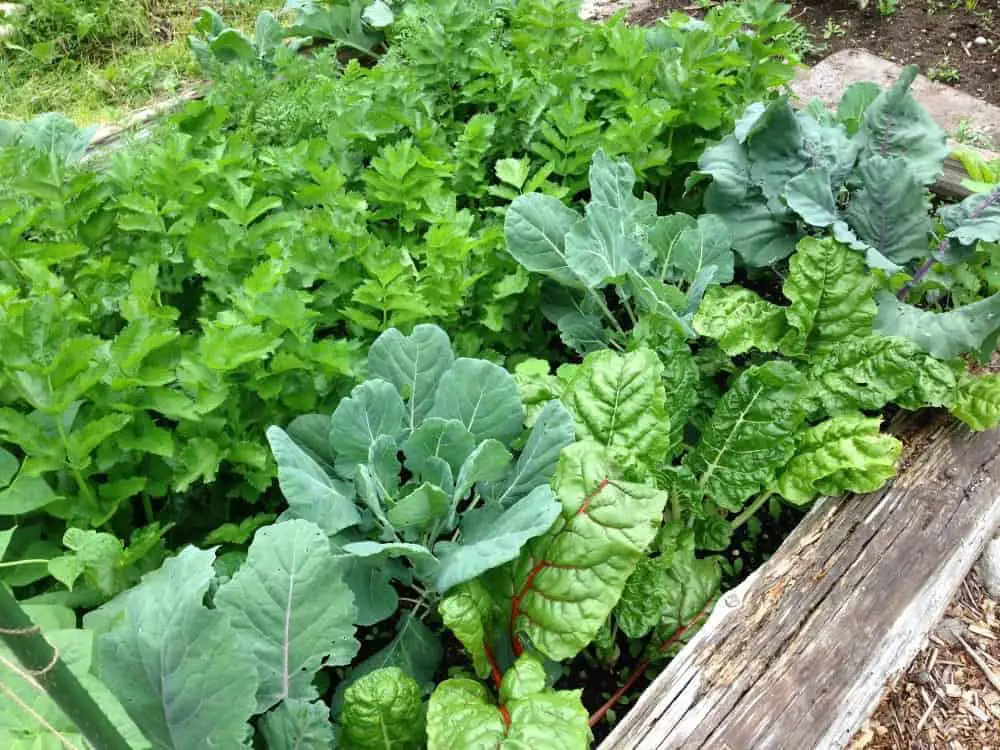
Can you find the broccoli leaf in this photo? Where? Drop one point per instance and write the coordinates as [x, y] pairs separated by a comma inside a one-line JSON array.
[[971, 328], [535, 228], [483, 397], [414, 364], [298, 725]]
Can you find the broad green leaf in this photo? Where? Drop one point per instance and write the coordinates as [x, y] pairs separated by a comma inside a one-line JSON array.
[[535, 228], [612, 184], [447, 439], [691, 585], [21, 728], [309, 491], [371, 581], [971, 328], [665, 236], [298, 725], [25, 494], [414, 364], [599, 252], [889, 209], [292, 610], [339, 24], [895, 124], [487, 463], [750, 435], [847, 453], [483, 397], [975, 219], [311, 432], [5, 536], [424, 563], [469, 612], [8, 467], [775, 149], [268, 34], [618, 400], [831, 294], [415, 650], [739, 320], [493, 536], [709, 244], [425, 504], [374, 409], [552, 431], [383, 709], [977, 402], [578, 317], [810, 195], [567, 581], [461, 714], [178, 668], [855, 100]]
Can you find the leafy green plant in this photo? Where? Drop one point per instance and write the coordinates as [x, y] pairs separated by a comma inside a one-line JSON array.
[[861, 175]]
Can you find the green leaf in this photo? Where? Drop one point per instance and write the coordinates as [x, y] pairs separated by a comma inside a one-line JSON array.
[[889, 210], [739, 320], [611, 185], [298, 725], [374, 409], [447, 439], [383, 709], [855, 100], [578, 318], [414, 364], [567, 582], [310, 492], [975, 219], [831, 294], [665, 236], [469, 612], [371, 581], [691, 585], [619, 401], [810, 195], [461, 714], [552, 431], [750, 435], [292, 610], [483, 397], [847, 453], [378, 14], [425, 504], [896, 125], [493, 536], [487, 463], [709, 244], [268, 34], [599, 252], [178, 668], [26, 494], [775, 149], [945, 335], [340, 24], [535, 228], [8, 467], [977, 402]]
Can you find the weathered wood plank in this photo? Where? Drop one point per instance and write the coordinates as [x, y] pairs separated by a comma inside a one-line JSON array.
[[798, 655]]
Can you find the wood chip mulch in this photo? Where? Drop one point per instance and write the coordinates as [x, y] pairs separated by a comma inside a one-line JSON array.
[[950, 697]]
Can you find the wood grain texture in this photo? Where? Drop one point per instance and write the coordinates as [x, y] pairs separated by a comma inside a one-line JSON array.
[[798, 655]]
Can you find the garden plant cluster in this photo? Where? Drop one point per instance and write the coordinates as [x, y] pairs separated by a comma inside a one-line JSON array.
[[290, 459]]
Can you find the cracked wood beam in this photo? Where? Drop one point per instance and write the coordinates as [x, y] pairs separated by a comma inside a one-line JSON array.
[[798, 655]]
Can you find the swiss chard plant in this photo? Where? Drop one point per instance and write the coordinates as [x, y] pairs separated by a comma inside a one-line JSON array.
[[861, 175]]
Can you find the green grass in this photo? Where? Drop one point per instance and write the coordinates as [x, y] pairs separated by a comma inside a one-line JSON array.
[[101, 82]]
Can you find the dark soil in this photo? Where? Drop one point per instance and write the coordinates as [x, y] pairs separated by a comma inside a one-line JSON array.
[[938, 35]]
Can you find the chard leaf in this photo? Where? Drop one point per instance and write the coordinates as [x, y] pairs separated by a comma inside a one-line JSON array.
[[831, 294], [373, 410], [298, 725], [415, 650], [977, 402], [567, 582], [552, 431], [492, 536], [739, 320], [691, 584], [889, 210], [599, 252], [535, 228], [945, 335], [469, 611], [447, 439], [383, 709], [619, 402], [896, 125], [847, 453], [178, 668], [866, 374], [413, 364], [750, 435], [483, 397], [292, 609], [425, 504], [461, 714]]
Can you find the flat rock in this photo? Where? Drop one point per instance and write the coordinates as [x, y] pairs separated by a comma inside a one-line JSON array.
[[827, 80], [989, 568]]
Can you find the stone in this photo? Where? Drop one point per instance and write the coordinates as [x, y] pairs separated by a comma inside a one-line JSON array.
[[980, 40], [827, 80], [11, 9], [988, 568]]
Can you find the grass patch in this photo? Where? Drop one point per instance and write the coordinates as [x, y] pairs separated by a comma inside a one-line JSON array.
[[98, 73]]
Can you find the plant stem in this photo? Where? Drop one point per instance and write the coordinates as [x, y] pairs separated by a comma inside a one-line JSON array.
[[42, 662], [745, 516], [15, 563], [607, 313]]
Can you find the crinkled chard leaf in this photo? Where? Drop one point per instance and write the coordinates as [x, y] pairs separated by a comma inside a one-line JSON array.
[[739, 320], [977, 402], [383, 709], [469, 612]]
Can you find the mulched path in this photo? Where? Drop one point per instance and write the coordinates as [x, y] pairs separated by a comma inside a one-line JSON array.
[[956, 42]]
